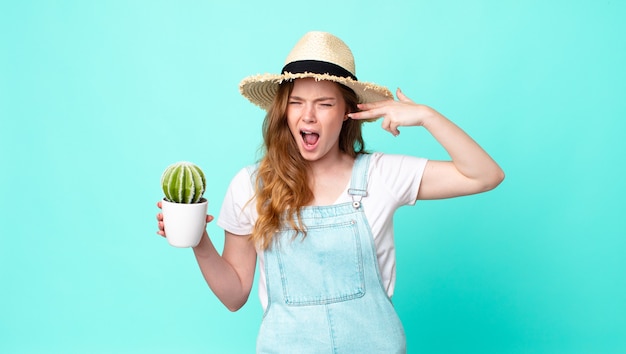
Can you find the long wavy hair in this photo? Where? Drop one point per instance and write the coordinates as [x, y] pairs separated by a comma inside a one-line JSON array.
[[282, 183]]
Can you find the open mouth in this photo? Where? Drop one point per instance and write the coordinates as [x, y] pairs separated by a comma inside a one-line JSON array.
[[309, 138]]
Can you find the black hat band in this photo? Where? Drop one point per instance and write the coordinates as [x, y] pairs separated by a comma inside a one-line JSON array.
[[317, 67]]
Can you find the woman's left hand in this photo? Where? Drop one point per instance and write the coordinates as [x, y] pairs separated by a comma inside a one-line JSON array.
[[401, 113], [471, 170]]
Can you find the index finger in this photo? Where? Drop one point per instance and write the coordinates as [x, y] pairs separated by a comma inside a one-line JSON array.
[[367, 114], [362, 116], [372, 105]]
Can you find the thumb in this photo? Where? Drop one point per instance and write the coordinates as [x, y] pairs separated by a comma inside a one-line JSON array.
[[402, 97]]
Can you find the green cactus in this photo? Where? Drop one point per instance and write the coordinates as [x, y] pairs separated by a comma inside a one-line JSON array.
[[183, 182]]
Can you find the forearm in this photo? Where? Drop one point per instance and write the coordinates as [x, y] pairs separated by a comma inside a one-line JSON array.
[[220, 275], [467, 156]]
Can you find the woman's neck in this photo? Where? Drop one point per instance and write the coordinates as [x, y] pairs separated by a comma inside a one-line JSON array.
[[328, 177]]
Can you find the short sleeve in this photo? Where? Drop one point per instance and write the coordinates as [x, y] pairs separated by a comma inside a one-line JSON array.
[[238, 213], [402, 175]]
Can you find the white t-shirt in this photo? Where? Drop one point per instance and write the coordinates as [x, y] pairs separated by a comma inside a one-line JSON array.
[[393, 181]]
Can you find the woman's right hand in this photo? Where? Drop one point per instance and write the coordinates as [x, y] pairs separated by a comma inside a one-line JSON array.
[[161, 225]]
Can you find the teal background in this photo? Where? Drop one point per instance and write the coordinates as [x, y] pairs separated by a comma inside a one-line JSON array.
[[98, 97]]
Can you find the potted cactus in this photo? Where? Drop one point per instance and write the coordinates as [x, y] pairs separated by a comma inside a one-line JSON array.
[[184, 209]]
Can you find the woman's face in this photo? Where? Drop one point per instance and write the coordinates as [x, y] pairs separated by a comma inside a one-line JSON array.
[[316, 111]]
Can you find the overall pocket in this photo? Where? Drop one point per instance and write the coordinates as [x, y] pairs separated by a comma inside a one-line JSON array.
[[324, 267]]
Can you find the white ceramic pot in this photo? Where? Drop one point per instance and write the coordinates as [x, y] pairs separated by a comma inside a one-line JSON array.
[[184, 223]]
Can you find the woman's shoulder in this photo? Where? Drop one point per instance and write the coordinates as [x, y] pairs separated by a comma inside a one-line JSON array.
[[388, 162], [245, 175], [396, 177]]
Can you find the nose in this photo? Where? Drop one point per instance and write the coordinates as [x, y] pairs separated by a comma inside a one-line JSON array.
[[308, 115]]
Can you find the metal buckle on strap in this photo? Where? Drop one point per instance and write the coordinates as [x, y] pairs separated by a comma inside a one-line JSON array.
[[357, 195]]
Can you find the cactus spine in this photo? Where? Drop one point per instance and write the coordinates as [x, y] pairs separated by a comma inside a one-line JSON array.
[[183, 182]]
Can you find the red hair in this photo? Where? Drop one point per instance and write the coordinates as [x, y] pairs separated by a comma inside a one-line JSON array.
[[282, 183]]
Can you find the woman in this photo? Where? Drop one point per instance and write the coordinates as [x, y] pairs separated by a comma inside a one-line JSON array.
[[318, 211]]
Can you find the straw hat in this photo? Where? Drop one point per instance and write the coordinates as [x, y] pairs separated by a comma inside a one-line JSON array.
[[319, 55]]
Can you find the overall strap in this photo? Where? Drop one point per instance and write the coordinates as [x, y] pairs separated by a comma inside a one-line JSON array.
[[358, 183]]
